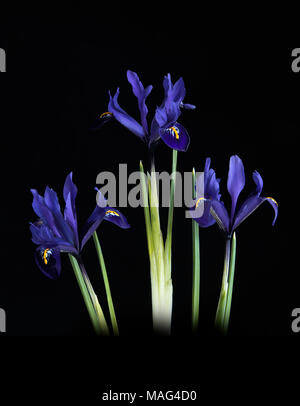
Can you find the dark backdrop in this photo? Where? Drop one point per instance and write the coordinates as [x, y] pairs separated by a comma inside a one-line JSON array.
[[59, 70]]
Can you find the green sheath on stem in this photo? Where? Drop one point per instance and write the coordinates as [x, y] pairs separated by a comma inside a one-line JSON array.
[[144, 183], [96, 304], [106, 284], [196, 265], [86, 295], [220, 314], [230, 282]]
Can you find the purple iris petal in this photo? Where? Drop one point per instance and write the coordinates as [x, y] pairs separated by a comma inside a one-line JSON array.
[[101, 201], [154, 131], [258, 181], [51, 200], [178, 91], [173, 93], [212, 185], [187, 106], [210, 192], [206, 219], [92, 223], [43, 235], [48, 260], [43, 212], [125, 119], [102, 212], [220, 214], [274, 204], [141, 93], [70, 193], [253, 202], [175, 136], [116, 217], [161, 117], [235, 181]]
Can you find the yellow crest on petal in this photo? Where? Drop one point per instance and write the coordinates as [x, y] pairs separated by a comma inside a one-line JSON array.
[[112, 213]]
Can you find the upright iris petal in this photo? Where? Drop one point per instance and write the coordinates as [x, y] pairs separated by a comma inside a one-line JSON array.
[[175, 93], [141, 93], [125, 119], [235, 181], [70, 216]]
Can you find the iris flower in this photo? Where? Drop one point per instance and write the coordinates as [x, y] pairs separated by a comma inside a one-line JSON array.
[[229, 223], [164, 124], [235, 184], [55, 232]]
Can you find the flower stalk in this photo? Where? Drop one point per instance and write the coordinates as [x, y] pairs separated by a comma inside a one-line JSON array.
[[89, 297], [106, 284], [220, 314], [230, 282], [224, 304], [196, 265]]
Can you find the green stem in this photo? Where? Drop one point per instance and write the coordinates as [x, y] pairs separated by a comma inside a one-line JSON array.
[[230, 282], [220, 314], [168, 245], [85, 293], [157, 239], [146, 209], [196, 265], [172, 196], [146, 191], [106, 284], [96, 304]]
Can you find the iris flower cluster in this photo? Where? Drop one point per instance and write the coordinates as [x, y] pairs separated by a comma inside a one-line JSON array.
[[55, 232], [164, 126]]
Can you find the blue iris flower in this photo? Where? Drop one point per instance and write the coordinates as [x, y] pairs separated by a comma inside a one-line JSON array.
[[55, 232], [164, 124]]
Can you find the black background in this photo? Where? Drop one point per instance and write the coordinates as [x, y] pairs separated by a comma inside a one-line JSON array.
[[60, 67]]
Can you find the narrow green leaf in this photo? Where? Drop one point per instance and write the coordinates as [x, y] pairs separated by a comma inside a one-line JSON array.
[[106, 284], [146, 209], [196, 265], [96, 304], [85, 294]]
